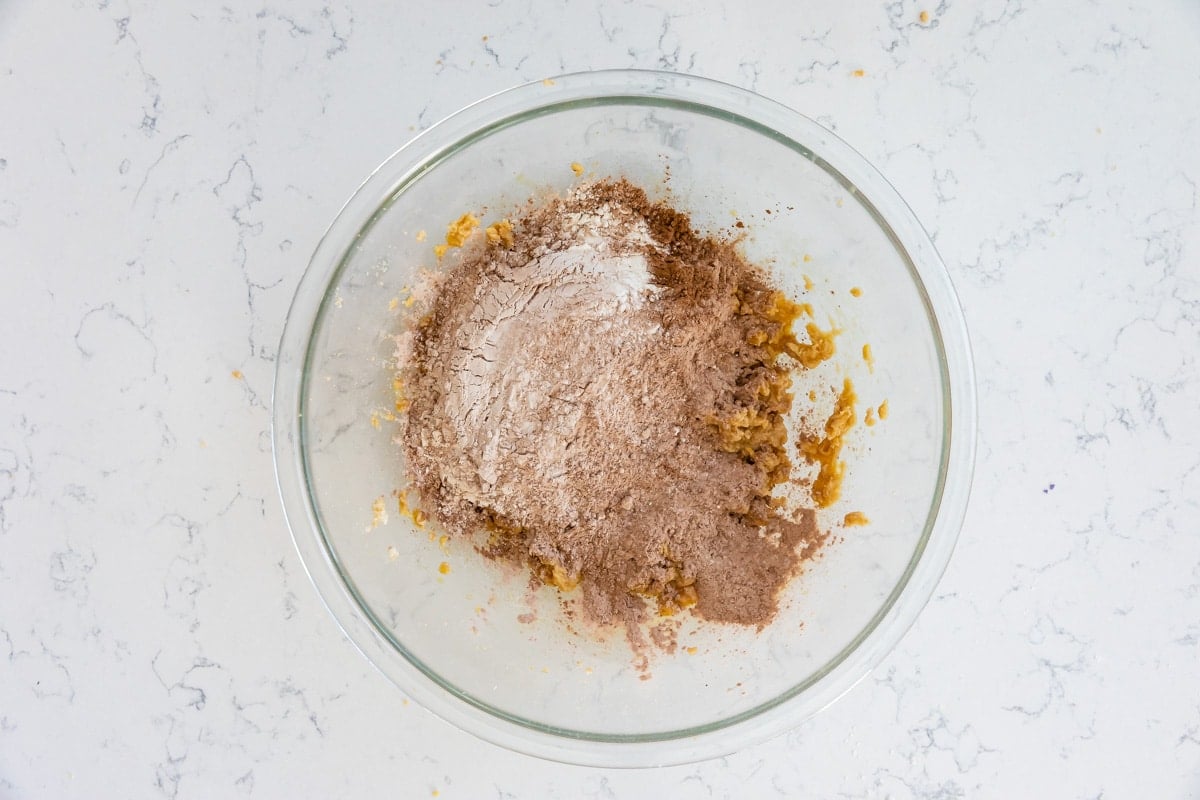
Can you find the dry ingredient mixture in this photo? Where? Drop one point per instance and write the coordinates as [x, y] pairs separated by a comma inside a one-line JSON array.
[[601, 391]]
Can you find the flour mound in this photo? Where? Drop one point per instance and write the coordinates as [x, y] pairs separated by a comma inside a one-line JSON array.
[[603, 400]]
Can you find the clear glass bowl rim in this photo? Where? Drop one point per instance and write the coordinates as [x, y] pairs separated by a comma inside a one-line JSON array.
[[738, 106]]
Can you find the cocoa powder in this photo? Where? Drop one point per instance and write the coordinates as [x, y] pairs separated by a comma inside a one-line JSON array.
[[601, 396]]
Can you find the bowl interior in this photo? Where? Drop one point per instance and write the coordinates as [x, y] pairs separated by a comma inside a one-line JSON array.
[[479, 631]]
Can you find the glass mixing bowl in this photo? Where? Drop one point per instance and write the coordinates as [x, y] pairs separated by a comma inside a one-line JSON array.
[[453, 641]]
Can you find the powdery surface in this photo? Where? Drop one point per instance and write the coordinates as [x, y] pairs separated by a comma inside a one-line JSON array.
[[573, 395]]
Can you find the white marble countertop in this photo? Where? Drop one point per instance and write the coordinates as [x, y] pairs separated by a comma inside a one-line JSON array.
[[164, 176]]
